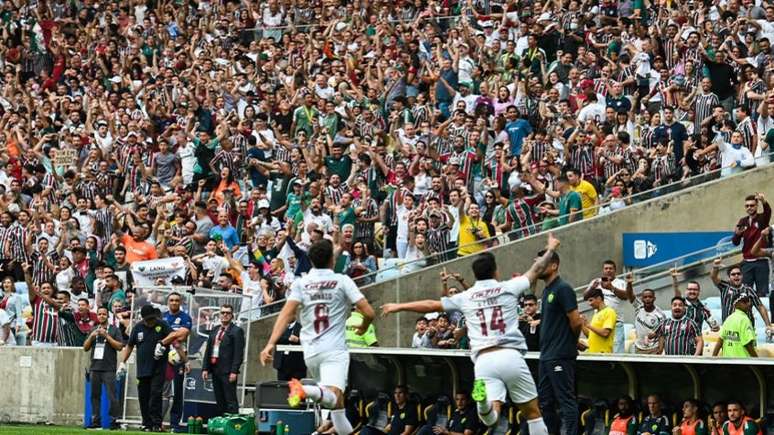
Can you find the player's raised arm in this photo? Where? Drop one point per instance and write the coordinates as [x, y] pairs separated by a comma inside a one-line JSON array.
[[425, 306], [541, 263], [283, 319]]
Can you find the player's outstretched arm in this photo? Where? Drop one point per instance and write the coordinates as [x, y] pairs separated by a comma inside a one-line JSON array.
[[285, 316], [368, 313], [541, 263], [425, 306]]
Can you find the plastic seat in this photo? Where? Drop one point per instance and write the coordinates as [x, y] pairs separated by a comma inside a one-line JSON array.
[[379, 412]]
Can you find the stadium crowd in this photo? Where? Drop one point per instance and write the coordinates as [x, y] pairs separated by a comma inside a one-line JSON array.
[[232, 135]]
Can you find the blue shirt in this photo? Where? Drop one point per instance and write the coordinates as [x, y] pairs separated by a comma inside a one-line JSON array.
[[517, 131], [228, 234], [675, 132], [557, 340], [181, 319], [442, 94]]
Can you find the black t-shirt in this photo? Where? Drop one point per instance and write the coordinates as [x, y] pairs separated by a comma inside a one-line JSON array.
[[532, 338], [463, 420], [108, 362], [402, 417], [145, 338], [557, 340]]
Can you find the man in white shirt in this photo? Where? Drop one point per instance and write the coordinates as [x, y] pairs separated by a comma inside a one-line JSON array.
[[614, 291], [496, 342], [325, 299], [647, 316]]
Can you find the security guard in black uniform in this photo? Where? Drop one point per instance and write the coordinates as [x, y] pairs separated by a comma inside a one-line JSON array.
[[152, 338]]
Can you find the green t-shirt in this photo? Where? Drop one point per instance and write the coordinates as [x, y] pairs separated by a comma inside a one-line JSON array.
[[572, 200], [294, 203], [354, 340], [737, 331], [347, 216], [341, 166]]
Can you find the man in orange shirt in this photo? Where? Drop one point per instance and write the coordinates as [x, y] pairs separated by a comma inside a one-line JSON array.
[[137, 249]]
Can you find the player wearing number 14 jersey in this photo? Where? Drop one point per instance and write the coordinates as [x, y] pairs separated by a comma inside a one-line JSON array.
[[496, 342], [325, 299]]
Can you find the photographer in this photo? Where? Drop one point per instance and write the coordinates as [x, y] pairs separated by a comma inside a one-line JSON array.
[[104, 341]]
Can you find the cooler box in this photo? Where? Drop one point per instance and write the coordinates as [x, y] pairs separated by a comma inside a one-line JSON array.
[[300, 422], [232, 424], [271, 406]]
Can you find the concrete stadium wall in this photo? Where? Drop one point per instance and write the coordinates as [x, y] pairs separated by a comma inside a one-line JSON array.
[[712, 206], [42, 385]]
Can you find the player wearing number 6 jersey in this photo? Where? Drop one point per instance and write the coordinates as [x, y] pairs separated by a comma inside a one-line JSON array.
[[325, 299], [496, 342]]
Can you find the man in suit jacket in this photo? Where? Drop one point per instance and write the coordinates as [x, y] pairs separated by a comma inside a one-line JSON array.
[[290, 365], [222, 359]]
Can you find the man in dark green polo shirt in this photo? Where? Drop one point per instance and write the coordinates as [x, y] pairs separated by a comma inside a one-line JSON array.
[[338, 162]]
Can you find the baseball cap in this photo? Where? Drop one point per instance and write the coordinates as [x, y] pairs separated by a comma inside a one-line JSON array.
[[586, 83], [263, 204], [148, 312]]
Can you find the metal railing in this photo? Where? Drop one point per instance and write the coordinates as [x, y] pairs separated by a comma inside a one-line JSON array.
[[664, 268], [405, 267]]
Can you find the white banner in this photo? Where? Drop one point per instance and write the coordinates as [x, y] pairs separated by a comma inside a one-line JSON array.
[[148, 273]]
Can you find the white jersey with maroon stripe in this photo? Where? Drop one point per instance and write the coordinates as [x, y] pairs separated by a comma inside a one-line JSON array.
[[326, 299], [491, 310]]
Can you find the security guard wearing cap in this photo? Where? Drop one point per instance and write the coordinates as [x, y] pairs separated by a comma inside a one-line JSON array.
[[152, 337]]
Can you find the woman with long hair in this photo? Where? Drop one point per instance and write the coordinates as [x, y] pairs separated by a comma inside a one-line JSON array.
[[226, 181], [362, 265]]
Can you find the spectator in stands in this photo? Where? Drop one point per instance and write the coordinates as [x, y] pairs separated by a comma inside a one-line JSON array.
[[443, 338], [694, 307], [762, 248], [570, 203], [462, 421], [729, 290], [755, 270], [588, 194], [738, 421], [404, 416], [737, 336], [624, 421], [647, 317], [692, 422], [655, 423], [13, 303], [85, 319], [614, 291], [601, 330], [529, 323], [45, 311], [678, 335], [421, 338]]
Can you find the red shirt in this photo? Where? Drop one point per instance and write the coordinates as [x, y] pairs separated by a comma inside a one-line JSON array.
[[86, 322], [752, 232]]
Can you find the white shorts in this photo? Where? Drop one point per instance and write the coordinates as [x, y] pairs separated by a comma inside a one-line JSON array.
[[330, 369], [505, 370]]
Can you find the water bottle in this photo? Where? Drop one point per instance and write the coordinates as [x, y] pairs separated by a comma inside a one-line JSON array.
[[199, 427], [280, 428], [191, 424], [287, 430]]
